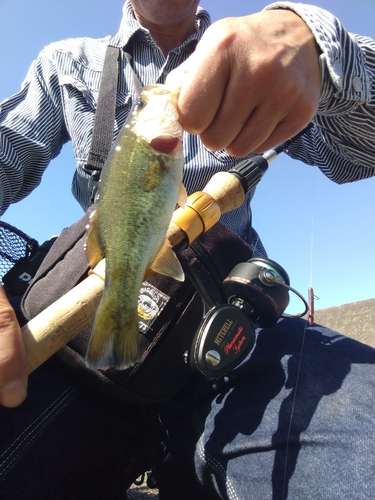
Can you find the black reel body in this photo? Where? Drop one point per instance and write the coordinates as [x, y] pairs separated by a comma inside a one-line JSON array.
[[257, 292], [225, 336]]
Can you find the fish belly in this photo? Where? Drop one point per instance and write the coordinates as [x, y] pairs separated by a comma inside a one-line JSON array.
[[133, 219]]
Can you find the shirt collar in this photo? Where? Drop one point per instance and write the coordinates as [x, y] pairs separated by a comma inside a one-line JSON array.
[[129, 26]]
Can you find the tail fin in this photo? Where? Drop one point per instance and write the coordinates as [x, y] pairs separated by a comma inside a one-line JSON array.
[[114, 340]]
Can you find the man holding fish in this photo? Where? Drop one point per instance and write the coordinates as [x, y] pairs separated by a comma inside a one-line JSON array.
[[298, 421]]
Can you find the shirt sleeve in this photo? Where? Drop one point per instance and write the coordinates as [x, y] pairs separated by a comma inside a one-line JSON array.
[[342, 141], [32, 131]]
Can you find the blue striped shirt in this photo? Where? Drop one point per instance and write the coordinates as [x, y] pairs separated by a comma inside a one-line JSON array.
[[58, 98]]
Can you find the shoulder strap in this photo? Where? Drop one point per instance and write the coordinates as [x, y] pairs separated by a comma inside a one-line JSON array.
[[102, 134]]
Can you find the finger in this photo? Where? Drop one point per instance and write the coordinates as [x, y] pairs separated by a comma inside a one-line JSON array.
[[270, 124], [13, 364], [233, 117], [258, 110], [284, 131], [201, 84]]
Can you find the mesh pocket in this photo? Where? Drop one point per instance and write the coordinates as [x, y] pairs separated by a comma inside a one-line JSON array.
[[14, 245]]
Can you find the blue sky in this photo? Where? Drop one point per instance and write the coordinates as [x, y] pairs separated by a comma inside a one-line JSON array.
[[321, 233]]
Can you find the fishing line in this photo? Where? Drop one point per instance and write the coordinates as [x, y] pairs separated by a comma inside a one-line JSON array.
[[311, 295], [312, 248], [256, 244], [293, 407], [309, 321], [313, 199]]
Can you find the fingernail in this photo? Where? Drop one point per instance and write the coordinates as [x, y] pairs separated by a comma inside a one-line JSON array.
[[13, 394]]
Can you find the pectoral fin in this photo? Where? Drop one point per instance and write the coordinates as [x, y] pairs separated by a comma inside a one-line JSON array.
[[182, 196], [153, 176], [93, 248], [167, 263]]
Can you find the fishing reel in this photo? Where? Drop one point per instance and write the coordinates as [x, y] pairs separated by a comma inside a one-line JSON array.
[[257, 294]]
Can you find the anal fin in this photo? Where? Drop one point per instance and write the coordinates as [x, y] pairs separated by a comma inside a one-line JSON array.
[[167, 263]]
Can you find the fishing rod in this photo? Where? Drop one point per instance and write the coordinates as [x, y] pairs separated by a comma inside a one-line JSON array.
[[60, 322], [225, 192]]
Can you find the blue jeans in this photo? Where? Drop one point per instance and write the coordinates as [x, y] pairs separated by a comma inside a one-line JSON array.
[[296, 420]]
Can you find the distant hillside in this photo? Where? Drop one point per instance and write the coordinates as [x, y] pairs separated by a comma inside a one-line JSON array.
[[356, 320]]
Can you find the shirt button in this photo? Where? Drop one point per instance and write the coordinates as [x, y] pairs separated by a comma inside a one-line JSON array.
[[357, 84]]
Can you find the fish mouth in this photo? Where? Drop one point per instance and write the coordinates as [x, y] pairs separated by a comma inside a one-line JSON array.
[[165, 144], [157, 120]]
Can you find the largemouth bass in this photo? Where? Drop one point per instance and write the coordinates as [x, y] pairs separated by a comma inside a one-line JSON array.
[[139, 188]]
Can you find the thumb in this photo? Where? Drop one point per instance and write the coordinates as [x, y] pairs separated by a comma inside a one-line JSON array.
[[13, 364]]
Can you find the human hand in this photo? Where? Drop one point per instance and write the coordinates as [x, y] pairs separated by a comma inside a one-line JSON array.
[[13, 365], [251, 83]]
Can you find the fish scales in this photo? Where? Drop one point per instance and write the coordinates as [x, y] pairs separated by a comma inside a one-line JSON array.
[[139, 189]]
